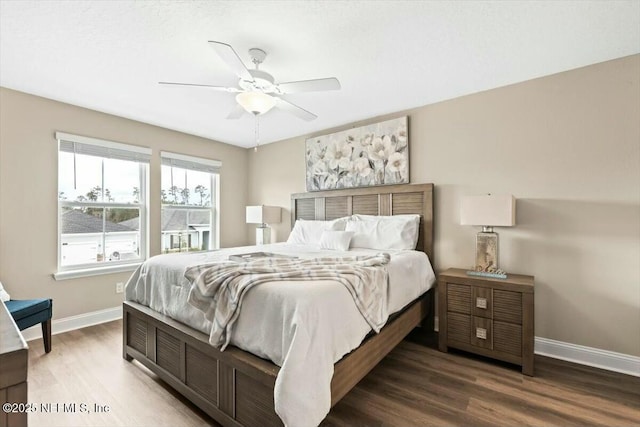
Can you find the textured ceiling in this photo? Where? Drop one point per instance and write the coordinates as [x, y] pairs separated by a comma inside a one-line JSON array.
[[388, 55]]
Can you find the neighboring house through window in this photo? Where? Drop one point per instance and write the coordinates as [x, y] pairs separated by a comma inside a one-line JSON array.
[[190, 203], [102, 200]]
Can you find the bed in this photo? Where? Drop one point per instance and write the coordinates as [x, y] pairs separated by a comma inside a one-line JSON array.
[[236, 387]]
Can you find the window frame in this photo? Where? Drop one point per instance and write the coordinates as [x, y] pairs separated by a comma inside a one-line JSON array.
[[105, 267], [183, 161]]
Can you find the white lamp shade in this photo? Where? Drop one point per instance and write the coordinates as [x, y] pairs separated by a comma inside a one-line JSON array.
[[256, 102], [488, 210], [263, 214]]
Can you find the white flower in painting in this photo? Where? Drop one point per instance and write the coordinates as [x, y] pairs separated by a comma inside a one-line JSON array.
[[320, 168], [339, 154], [397, 163], [381, 148], [361, 166], [366, 140]]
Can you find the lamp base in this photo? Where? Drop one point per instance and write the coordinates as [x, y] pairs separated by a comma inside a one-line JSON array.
[[263, 235], [486, 251]]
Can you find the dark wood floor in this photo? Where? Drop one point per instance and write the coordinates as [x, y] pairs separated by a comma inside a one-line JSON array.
[[414, 386]]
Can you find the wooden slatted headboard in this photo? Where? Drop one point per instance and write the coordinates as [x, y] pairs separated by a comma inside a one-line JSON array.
[[386, 200]]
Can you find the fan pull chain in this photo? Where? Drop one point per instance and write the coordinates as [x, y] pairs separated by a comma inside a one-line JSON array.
[[257, 134]]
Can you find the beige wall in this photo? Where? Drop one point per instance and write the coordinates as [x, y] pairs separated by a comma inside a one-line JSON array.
[[28, 194], [568, 147]]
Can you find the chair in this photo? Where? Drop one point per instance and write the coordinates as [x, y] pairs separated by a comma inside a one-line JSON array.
[[30, 312]]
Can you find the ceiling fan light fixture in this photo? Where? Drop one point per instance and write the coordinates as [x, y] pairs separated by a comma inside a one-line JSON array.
[[256, 102], [257, 90]]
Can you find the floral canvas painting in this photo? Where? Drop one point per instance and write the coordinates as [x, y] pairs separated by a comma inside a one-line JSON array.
[[376, 154]]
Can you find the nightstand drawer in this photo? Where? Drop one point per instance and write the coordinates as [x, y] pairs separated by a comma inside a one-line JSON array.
[[459, 298], [466, 299], [459, 327], [507, 338], [507, 306]]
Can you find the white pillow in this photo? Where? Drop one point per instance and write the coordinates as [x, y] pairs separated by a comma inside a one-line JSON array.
[[410, 228], [384, 232], [307, 232], [406, 217], [336, 240], [339, 224]]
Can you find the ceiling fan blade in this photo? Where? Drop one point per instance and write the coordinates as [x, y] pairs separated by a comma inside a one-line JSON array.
[[220, 88], [315, 85], [295, 110], [237, 112], [232, 59]]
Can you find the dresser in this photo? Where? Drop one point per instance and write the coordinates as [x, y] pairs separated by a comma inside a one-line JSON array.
[[487, 316], [13, 370]]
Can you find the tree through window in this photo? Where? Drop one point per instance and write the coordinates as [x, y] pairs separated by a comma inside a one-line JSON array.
[[189, 203]]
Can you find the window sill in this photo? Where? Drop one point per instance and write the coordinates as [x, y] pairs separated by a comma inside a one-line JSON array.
[[74, 274]]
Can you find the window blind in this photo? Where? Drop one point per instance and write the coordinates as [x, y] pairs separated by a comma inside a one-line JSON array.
[[101, 148], [192, 163]]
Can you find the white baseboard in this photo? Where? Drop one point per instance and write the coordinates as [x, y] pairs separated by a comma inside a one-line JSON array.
[[71, 323], [604, 359]]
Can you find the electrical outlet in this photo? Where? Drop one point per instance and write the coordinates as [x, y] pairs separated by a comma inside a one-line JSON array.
[[119, 287]]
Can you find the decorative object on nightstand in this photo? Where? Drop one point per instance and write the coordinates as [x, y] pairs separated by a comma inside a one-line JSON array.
[[263, 215], [488, 211], [487, 316]]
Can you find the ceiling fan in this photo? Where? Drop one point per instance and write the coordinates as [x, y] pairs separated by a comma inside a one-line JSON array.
[[257, 90]]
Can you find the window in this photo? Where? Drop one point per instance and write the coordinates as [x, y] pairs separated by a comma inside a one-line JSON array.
[[189, 203], [102, 204]]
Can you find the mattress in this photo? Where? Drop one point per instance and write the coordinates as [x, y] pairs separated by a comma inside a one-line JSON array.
[[303, 327]]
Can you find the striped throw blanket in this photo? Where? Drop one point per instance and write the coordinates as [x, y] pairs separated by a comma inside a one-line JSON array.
[[218, 289]]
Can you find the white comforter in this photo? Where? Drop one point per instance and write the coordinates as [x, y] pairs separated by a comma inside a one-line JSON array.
[[303, 327]]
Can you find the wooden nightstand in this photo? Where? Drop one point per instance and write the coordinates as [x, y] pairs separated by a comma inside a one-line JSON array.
[[486, 316]]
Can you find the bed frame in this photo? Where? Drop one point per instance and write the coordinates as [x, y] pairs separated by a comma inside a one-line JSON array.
[[235, 387]]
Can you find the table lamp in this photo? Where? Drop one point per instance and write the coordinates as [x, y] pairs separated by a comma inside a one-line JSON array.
[[488, 211], [263, 215]]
